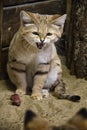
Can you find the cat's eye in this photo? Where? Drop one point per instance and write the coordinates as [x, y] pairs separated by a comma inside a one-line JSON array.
[[35, 33], [49, 34]]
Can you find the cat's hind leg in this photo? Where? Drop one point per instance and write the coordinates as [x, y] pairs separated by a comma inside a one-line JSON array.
[[45, 92], [60, 93], [56, 85], [60, 90]]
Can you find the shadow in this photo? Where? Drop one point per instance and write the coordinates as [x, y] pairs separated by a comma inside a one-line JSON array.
[[10, 86]]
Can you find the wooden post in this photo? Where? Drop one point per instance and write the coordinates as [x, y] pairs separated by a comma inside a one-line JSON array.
[[68, 31], [0, 38], [77, 39]]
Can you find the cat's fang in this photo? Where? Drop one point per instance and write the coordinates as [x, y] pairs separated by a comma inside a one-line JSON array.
[[40, 45]]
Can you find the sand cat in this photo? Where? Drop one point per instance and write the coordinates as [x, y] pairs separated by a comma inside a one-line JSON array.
[[77, 122], [33, 60]]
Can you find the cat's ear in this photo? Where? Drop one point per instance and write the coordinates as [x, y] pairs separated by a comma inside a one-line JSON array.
[[83, 113], [29, 116], [60, 20], [27, 18]]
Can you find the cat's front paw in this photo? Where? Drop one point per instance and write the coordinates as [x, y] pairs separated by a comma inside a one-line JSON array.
[[37, 96], [20, 92]]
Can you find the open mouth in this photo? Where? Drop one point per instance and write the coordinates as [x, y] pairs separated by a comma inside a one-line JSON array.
[[40, 45]]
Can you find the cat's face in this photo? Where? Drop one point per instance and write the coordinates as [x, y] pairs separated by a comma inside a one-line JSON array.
[[41, 30]]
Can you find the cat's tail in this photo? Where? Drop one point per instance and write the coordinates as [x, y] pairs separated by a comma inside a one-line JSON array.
[[73, 98]]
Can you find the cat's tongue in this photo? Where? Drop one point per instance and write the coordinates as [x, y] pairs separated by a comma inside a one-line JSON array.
[[40, 45]]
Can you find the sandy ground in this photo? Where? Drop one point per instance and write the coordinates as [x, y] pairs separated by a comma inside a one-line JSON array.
[[55, 110]]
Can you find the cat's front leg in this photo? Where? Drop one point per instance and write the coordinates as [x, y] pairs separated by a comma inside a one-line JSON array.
[[17, 75], [38, 85], [39, 80]]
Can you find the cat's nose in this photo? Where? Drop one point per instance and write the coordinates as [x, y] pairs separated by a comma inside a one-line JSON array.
[[42, 40]]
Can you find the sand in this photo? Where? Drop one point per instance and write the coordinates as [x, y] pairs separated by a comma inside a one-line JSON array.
[[55, 110]]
